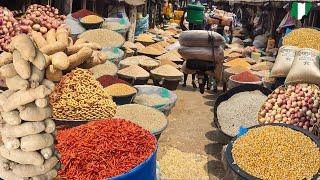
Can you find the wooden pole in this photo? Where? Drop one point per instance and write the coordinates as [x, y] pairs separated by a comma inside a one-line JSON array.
[[133, 22]]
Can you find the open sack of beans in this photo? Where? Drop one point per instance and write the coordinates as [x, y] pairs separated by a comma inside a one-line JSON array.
[[155, 96]]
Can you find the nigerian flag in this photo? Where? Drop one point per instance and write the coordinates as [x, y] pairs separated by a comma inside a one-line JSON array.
[[298, 10]]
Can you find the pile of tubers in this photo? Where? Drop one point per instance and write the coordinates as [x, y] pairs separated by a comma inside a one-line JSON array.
[[61, 55], [9, 27], [27, 130], [42, 18], [293, 104]]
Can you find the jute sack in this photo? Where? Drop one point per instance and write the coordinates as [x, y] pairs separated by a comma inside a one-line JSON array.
[[200, 38], [284, 61], [202, 53], [305, 67]]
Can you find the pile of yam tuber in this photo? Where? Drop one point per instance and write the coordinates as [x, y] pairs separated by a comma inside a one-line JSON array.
[[27, 130], [57, 51]]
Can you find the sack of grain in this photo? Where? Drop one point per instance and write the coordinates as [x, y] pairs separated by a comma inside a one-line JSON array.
[[284, 61], [305, 67], [202, 53], [200, 38]]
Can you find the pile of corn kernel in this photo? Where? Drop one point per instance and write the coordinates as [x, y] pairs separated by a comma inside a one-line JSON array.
[[274, 152], [303, 38]]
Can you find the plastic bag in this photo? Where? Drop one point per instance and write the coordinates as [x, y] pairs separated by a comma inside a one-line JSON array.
[[202, 53], [305, 67], [142, 25], [284, 61], [200, 38]]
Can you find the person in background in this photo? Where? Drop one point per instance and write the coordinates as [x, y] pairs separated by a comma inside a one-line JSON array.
[[192, 26], [167, 10]]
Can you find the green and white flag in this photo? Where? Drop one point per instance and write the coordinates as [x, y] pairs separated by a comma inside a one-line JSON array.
[[298, 10]]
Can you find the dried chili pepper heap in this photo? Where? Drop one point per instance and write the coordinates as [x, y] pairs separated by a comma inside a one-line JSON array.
[[102, 149], [246, 77]]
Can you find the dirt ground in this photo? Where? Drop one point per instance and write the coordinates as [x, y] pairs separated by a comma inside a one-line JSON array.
[[191, 129]]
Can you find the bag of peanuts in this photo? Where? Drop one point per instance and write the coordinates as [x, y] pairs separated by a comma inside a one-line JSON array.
[[202, 53], [200, 38], [284, 61], [305, 67]]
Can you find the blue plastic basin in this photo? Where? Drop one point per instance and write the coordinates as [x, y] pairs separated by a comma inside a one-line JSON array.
[[144, 171]]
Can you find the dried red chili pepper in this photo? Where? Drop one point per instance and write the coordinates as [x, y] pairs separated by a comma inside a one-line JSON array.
[[246, 77], [103, 148], [107, 80]]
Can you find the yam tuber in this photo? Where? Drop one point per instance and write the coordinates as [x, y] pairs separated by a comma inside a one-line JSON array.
[[50, 126], [54, 48], [48, 176], [23, 97], [11, 117], [23, 129], [51, 36], [9, 175], [4, 96], [17, 83], [42, 103], [25, 47], [36, 76], [49, 84], [8, 71], [60, 61], [34, 170], [21, 157], [39, 60], [10, 143], [31, 112], [36, 142], [70, 42], [47, 59], [62, 35], [38, 39], [22, 67], [53, 74], [75, 48], [78, 58], [46, 152], [80, 41], [5, 58]]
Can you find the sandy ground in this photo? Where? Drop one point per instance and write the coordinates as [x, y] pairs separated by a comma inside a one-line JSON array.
[[191, 129]]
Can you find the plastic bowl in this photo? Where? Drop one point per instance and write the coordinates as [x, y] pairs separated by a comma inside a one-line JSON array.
[[225, 96], [121, 100], [66, 123], [171, 84], [149, 89], [233, 83], [91, 25], [245, 175], [132, 81]]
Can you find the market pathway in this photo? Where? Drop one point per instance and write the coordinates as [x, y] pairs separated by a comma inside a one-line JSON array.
[[190, 131]]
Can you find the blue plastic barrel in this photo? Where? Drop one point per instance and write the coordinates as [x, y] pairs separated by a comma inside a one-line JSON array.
[[144, 171]]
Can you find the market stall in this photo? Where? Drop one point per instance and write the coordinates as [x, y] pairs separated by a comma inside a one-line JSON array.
[[87, 97]]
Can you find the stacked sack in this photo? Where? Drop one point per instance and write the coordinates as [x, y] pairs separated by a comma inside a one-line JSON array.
[[204, 46], [27, 130], [297, 65]]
